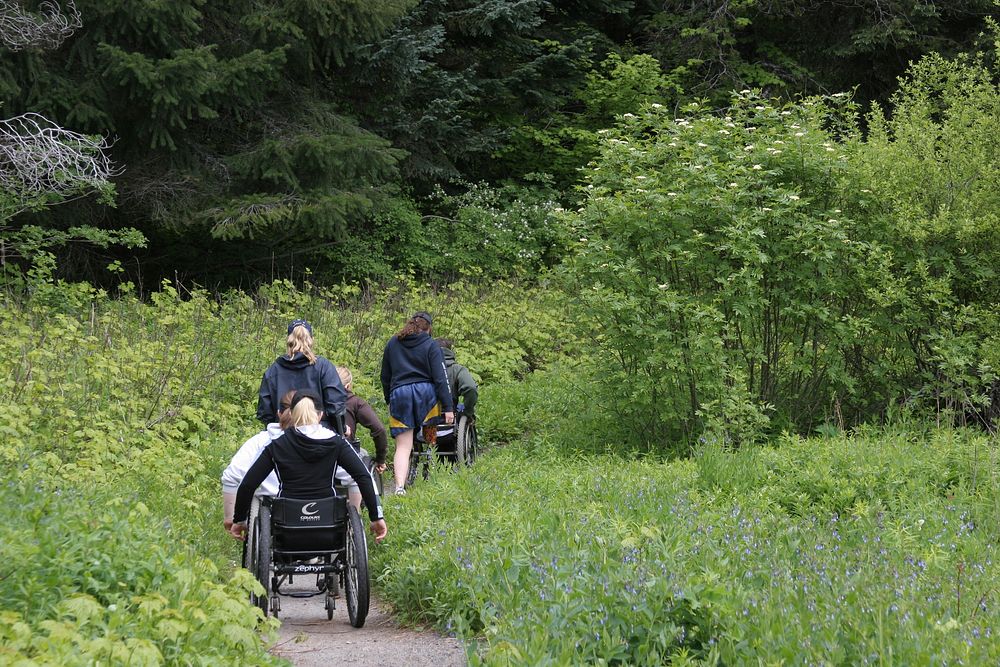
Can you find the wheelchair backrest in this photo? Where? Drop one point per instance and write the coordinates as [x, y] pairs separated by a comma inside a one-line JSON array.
[[300, 526], [314, 513]]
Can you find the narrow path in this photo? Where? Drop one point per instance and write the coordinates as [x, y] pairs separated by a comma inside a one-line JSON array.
[[307, 639]]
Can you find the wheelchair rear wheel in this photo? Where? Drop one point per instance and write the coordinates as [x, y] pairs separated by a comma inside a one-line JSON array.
[[370, 464], [261, 551], [356, 584], [466, 441]]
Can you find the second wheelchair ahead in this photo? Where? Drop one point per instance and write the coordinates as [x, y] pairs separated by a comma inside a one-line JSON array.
[[325, 538], [457, 444]]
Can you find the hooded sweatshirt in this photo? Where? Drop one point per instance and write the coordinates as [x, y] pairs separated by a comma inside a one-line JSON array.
[[462, 384], [305, 467], [244, 458], [297, 373], [359, 412], [416, 358]]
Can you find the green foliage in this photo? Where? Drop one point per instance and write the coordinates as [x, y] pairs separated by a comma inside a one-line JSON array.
[[931, 173], [564, 141], [484, 231], [720, 268], [223, 119], [804, 46], [88, 579], [135, 400], [455, 76], [836, 550]]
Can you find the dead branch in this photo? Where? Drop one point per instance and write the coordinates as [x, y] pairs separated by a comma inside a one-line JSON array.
[[45, 29]]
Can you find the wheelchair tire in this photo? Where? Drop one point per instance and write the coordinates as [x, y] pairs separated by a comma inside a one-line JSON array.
[[370, 464], [262, 569], [466, 441], [356, 582], [249, 558]]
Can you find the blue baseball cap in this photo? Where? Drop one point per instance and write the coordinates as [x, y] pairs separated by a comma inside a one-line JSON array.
[[299, 323]]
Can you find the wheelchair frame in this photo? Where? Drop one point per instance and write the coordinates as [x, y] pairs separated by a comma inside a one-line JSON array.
[[465, 452], [344, 562]]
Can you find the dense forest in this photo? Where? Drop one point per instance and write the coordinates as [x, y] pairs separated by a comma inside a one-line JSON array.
[[251, 140], [726, 271]]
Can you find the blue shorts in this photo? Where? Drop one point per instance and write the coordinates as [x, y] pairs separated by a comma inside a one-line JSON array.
[[411, 406]]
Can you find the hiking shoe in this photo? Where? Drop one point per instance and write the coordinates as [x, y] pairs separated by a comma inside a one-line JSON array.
[[400, 491]]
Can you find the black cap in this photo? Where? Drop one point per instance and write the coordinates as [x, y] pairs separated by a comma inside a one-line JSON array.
[[299, 323], [425, 315], [307, 393]]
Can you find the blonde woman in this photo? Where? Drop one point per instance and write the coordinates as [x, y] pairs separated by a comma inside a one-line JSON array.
[[301, 368], [306, 458]]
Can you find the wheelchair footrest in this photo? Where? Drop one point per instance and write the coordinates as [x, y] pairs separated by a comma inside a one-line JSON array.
[[304, 594]]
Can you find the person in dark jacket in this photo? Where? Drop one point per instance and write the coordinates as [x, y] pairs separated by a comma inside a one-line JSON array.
[[301, 368], [306, 458], [463, 386], [460, 381], [415, 387]]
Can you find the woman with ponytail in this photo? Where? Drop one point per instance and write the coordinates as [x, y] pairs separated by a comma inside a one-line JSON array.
[[301, 368], [415, 387]]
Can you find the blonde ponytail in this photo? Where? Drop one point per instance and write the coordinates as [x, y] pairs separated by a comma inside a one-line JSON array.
[[300, 340], [304, 413]]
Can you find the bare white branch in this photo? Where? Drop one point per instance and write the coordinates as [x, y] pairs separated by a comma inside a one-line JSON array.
[[46, 28], [39, 159]]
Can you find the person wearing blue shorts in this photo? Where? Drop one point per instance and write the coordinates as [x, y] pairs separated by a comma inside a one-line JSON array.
[[415, 387]]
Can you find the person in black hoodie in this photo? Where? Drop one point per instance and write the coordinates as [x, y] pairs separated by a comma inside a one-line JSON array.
[[301, 368], [305, 458], [415, 387]]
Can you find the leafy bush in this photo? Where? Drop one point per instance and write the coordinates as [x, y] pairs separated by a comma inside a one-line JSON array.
[[90, 579], [931, 172], [716, 260], [485, 231]]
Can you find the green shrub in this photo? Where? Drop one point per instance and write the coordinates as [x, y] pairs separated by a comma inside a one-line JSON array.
[[90, 579], [716, 261]]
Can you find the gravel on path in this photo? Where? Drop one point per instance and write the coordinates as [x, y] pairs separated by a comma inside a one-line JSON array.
[[307, 639]]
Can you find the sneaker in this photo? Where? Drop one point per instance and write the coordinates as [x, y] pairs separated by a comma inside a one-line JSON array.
[[400, 491]]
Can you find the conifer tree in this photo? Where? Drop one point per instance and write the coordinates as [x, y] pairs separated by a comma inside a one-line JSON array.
[[227, 114]]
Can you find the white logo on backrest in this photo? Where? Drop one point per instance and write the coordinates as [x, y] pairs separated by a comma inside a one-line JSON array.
[[308, 508]]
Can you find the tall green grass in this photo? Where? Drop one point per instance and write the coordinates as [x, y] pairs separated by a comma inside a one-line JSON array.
[[874, 549], [109, 404]]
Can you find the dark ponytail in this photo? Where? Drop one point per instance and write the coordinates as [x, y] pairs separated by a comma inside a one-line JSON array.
[[414, 325]]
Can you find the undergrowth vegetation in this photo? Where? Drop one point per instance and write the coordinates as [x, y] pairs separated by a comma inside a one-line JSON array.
[[871, 549], [119, 414]]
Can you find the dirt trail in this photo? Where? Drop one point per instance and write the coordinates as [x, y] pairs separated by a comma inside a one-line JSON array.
[[307, 639]]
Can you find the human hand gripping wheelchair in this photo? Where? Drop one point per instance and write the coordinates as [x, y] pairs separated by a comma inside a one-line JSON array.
[[325, 537]]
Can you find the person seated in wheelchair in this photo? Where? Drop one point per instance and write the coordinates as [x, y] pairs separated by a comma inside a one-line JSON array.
[[251, 449], [305, 458], [247, 454], [463, 387]]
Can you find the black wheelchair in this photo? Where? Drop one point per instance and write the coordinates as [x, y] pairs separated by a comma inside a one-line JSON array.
[[458, 447], [323, 537]]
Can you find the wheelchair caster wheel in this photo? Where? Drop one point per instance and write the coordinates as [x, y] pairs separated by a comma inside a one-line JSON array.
[[331, 604], [275, 605]]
